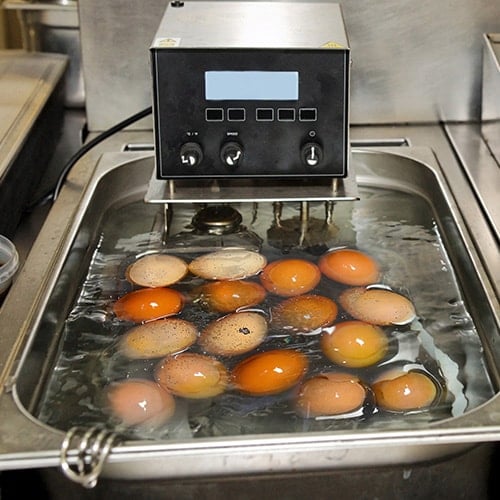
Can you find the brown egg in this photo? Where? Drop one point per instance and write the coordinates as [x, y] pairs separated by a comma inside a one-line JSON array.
[[158, 338], [230, 295], [354, 344], [330, 394], [377, 306], [139, 402], [270, 372], [228, 265], [348, 266], [234, 334], [192, 375], [290, 277], [405, 391], [156, 270], [147, 304], [304, 313]]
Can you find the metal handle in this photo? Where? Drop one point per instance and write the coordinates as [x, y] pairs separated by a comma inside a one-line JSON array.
[[93, 448]]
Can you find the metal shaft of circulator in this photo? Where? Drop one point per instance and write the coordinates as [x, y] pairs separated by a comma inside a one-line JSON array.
[[304, 221], [329, 206], [167, 217], [277, 211]]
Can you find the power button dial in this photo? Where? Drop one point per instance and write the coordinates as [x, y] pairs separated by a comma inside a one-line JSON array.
[[312, 154]]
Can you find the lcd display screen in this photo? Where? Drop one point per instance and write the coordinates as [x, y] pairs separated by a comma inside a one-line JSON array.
[[252, 85]]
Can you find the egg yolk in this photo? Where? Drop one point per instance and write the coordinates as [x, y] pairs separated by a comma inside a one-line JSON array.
[[330, 394], [269, 372], [192, 375], [229, 296], [137, 402], [350, 267], [304, 313], [409, 391], [148, 304], [290, 277], [354, 344]]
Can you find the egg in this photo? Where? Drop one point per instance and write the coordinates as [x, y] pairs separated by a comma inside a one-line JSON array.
[[377, 306], [354, 344], [290, 277], [330, 394], [227, 264], [304, 313], [405, 391], [158, 338], [350, 267], [192, 375], [148, 304], [269, 372], [139, 402], [229, 296], [156, 270], [234, 334]]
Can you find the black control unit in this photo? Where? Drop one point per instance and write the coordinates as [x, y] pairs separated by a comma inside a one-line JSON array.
[[237, 94]]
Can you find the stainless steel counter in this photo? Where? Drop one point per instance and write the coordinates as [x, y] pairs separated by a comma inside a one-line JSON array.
[[31, 106], [53, 26]]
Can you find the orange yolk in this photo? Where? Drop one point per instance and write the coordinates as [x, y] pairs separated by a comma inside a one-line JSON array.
[[269, 372], [290, 277], [304, 313], [228, 296], [350, 267], [148, 304], [354, 344]]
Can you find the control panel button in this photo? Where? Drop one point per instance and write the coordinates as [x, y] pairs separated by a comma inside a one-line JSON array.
[[312, 154], [231, 154], [236, 114], [214, 114], [286, 114], [264, 114], [191, 154], [308, 114]]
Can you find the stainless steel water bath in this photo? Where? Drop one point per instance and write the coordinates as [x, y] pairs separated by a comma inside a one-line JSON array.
[[27, 442]]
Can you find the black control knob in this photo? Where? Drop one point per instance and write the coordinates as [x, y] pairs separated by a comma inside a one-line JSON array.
[[191, 154], [312, 154], [231, 154]]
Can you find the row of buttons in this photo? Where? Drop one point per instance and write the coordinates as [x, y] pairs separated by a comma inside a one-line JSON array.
[[262, 114]]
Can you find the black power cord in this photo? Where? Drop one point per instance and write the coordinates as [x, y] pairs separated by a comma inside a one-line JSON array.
[[53, 194]]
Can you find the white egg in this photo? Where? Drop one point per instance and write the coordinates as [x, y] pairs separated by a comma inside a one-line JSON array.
[[228, 265], [157, 270]]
